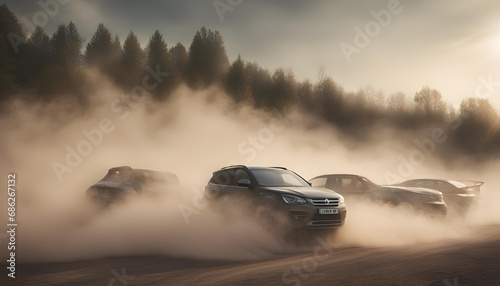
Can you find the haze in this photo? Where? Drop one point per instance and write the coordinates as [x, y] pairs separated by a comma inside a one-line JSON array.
[[447, 45]]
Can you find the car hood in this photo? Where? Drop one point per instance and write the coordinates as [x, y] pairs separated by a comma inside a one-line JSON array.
[[400, 189], [307, 192]]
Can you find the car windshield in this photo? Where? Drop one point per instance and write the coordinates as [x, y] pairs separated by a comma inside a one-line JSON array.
[[119, 175], [278, 178], [141, 176], [367, 181]]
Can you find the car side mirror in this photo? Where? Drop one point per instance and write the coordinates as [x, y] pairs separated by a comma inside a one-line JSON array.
[[244, 183]]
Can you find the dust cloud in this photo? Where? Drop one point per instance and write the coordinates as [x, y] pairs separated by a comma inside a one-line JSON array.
[[57, 154]]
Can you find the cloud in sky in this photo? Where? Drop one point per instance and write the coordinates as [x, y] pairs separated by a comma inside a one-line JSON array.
[[444, 44]]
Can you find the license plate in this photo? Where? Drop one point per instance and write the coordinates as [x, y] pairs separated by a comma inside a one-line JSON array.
[[328, 211]]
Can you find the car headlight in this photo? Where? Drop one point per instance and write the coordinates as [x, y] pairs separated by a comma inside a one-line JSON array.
[[293, 200], [341, 200]]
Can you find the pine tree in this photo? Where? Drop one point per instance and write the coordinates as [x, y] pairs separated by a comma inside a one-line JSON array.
[[75, 44], [114, 69], [238, 83], [59, 44], [132, 63], [37, 56], [329, 100], [13, 33], [62, 74], [208, 61], [7, 71], [181, 57], [66, 45], [284, 90], [158, 58], [99, 50], [13, 49], [261, 84]]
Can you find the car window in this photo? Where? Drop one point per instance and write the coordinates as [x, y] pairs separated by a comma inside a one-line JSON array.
[[421, 184], [241, 175], [119, 175], [278, 178], [290, 180], [333, 183], [225, 177], [319, 182], [352, 184], [443, 186]]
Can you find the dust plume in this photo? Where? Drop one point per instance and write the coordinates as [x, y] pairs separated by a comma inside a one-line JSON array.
[[193, 134]]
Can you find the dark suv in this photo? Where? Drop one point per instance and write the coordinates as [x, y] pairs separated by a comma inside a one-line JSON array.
[[122, 182], [279, 192]]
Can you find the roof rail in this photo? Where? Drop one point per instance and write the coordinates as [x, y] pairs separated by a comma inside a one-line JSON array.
[[233, 166], [243, 166]]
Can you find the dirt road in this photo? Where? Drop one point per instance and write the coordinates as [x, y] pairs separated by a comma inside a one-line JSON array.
[[474, 260]]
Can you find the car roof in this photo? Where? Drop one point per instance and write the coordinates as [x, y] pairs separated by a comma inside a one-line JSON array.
[[128, 168], [339, 175], [453, 182], [250, 168], [264, 168]]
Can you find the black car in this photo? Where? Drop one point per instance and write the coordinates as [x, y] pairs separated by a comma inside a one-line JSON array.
[[460, 196], [276, 191], [359, 187], [121, 182]]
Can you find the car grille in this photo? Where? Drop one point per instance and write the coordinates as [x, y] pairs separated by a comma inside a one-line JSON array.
[[326, 202], [326, 217], [326, 223]]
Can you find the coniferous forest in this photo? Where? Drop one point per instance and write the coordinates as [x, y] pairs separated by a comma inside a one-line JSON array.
[[41, 68]]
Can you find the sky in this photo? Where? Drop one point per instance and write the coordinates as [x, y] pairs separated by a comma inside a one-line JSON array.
[[387, 45]]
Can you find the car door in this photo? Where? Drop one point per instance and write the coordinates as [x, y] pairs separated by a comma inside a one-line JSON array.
[[222, 183], [334, 183], [245, 193], [353, 187]]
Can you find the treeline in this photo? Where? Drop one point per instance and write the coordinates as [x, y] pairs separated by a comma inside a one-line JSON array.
[[52, 67]]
